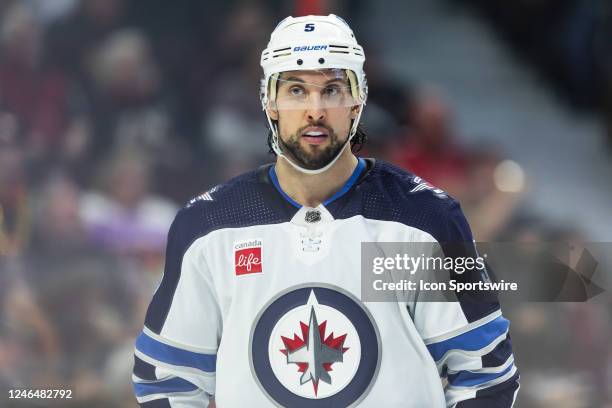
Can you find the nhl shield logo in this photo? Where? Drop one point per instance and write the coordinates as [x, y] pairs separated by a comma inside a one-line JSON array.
[[315, 346]]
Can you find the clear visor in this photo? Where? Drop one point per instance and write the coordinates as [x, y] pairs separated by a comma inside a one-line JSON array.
[[313, 89]]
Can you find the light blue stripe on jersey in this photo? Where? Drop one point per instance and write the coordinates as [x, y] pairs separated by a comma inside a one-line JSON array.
[[174, 355], [163, 387], [361, 165], [272, 174], [468, 378], [472, 340]]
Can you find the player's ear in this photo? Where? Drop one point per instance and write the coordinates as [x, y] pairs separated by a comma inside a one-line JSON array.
[[272, 113], [355, 111]]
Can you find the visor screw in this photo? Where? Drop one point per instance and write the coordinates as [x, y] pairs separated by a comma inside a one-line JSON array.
[[300, 62], [321, 60]]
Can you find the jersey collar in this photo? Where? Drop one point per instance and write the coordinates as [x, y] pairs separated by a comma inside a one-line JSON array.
[[361, 165]]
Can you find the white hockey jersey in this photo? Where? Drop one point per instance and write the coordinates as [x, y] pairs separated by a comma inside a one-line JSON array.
[[260, 305]]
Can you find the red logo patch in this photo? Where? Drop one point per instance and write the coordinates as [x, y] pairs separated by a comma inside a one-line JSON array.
[[248, 260]]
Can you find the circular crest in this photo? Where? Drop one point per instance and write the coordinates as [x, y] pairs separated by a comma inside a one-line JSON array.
[[315, 346]]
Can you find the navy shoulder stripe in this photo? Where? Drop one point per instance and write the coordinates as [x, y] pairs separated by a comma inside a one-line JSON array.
[[157, 403], [144, 370], [499, 396]]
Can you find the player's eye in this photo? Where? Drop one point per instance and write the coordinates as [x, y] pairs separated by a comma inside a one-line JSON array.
[[332, 90], [296, 91]]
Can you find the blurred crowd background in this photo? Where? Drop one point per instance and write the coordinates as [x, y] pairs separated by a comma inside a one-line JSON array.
[[113, 113]]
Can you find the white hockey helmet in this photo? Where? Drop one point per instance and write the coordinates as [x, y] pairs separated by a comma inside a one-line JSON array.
[[312, 43]]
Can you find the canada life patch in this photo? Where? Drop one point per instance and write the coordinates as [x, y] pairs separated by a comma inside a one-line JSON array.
[[315, 345], [247, 257]]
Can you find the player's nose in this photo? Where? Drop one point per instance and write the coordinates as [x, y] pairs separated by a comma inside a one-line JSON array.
[[316, 116], [315, 113], [315, 110]]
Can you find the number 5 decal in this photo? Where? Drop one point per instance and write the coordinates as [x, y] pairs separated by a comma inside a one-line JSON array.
[[309, 27]]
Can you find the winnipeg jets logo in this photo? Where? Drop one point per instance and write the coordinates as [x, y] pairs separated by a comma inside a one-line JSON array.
[[314, 343], [422, 185], [206, 196], [313, 355]]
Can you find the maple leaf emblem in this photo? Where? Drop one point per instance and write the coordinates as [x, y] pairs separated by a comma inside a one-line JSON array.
[[314, 353]]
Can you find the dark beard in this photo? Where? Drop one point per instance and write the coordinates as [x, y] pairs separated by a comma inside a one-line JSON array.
[[308, 160]]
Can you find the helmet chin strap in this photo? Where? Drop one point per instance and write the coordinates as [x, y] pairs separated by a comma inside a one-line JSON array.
[[279, 152]]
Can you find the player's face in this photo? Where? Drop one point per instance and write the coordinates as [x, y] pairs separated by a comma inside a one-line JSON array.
[[314, 110]]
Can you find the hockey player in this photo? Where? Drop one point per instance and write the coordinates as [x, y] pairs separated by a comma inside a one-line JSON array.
[[260, 303]]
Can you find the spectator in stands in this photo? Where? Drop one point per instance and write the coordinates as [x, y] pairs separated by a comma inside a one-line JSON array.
[[231, 122], [34, 95], [129, 105], [82, 288], [131, 109], [126, 217], [429, 148], [73, 39], [15, 225], [492, 192]]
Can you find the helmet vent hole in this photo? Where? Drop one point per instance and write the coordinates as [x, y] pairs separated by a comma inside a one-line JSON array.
[[321, 60]]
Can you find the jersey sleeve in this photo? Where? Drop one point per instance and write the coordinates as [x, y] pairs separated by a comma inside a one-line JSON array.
[[175, 354], [468, 338]]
